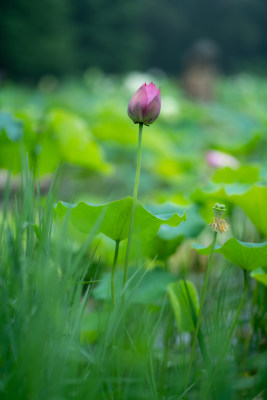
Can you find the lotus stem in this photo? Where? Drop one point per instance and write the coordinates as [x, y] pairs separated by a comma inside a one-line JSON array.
[[137, 176], [203, 295]]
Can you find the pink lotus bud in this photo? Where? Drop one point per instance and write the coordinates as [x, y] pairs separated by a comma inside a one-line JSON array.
[[219, 159], [144, 106]]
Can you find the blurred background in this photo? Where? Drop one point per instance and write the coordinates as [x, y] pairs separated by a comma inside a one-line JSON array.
[[69, 68], [64, 37]]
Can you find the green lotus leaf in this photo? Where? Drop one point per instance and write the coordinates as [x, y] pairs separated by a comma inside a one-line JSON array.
[[144, 287], [74, 141], [252, 199], [260, 275], [11, 134], [253, 202], [168, 237], [11, 126], [248, 256], [243, 174], [240, 131], [113, 219]]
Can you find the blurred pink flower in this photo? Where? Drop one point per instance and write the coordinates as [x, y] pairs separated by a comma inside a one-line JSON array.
[[144, 106], [219, 159]]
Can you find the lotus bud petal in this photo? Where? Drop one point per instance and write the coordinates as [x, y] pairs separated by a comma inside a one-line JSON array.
[[144, 106]]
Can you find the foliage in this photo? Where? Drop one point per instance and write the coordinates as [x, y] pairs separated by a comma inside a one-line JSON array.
[[245, 255], [36, 38], [113, 219], [183, 296], [67, 36], [61, 334]]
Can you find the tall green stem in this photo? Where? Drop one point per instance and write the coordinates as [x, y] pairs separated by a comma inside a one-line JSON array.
[[230, 334], [113, 272], [138, 167], [203, 295]]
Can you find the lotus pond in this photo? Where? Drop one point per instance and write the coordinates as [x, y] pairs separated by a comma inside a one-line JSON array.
[[109, 294]]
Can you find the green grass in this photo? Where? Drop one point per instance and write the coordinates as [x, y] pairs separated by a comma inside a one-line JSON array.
[[59, 342], [61, 337]]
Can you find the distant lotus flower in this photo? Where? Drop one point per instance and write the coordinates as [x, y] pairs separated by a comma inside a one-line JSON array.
[[144, 106], [219, 159]]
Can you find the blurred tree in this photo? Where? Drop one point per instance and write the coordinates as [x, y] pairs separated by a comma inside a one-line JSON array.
[[109, 34], [66, 36], [36, 37], [237, 26]]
